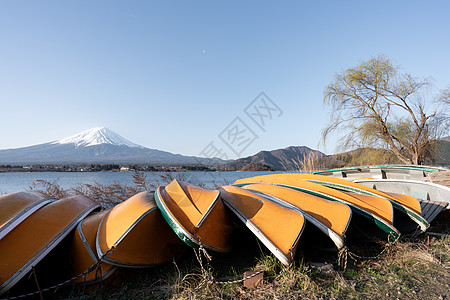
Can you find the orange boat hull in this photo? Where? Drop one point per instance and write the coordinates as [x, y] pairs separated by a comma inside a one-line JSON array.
[[83, 253], [196, 215], [37, 235], [16, 207], [332, 218], [134, 234], [278, 227]]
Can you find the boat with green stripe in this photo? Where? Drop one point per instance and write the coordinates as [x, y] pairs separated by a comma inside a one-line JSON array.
[[374, 213], [196, 215], [408, 211]]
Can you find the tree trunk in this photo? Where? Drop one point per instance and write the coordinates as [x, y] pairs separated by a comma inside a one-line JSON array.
[[387, 137]]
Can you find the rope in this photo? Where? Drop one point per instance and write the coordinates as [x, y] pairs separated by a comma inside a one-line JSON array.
[[343, 257], [37, 283], [206, 271], [91, 268], [356, 257], [240, 280]]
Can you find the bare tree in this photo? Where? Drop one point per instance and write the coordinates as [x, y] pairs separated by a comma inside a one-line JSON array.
[[445, 97], [377, 106]]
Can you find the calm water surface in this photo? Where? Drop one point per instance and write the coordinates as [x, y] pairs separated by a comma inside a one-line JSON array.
[[18, 181]]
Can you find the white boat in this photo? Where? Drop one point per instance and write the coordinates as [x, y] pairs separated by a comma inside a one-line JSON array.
[[416, 172], [433, 197]]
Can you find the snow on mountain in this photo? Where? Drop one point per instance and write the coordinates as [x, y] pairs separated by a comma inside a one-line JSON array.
[[96, 136], [97, 145]]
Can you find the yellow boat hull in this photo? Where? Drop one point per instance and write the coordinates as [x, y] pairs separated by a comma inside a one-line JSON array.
[[332, 218], [134, 234], [376, 210], [30, 241], [408, 217], [278, 227], [196, 215], [16, 207], [83, 253]]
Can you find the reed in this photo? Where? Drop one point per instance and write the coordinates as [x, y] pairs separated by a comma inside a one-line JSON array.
[[411, 268], [307, 164], [106, 195]]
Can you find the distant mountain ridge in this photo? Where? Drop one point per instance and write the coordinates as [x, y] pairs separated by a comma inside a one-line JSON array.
[[97, 145], [103, 146], [287, 159], [291, 158]]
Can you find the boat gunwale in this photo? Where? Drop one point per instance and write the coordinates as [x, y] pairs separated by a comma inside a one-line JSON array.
[[23, 214], [208, 211], [85, 242], [176, 226], [5, 286], [104, 274]]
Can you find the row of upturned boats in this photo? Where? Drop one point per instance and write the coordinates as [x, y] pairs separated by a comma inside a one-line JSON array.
[[80, 243]]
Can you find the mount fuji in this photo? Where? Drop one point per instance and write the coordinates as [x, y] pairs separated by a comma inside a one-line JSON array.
[[97, 145], [97, 136]]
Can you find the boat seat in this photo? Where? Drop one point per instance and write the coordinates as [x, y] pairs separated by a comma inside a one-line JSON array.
[[430, 209]]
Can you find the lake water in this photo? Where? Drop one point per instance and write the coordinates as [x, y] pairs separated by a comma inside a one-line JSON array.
[[19, 181]]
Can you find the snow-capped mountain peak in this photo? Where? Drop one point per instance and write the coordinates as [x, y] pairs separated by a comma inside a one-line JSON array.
[[97, 136]]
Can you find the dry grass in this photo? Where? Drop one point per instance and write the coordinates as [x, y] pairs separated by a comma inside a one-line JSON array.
[[108, 195], [409, 268], [307, 164], [310, 163]]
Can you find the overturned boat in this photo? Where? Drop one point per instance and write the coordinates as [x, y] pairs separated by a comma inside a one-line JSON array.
[[16, 207], [373, 215], [408, 211], [331, 218], [399, 171], [31, 240], [196, 215], [83, 255], [134, 234], [433, 197], [278, 227]]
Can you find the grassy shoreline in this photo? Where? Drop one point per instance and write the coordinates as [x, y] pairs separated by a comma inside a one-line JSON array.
[[410, 268], [416, 267]]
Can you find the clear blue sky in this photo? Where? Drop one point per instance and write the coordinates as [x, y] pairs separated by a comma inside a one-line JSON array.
[[173, 75]]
